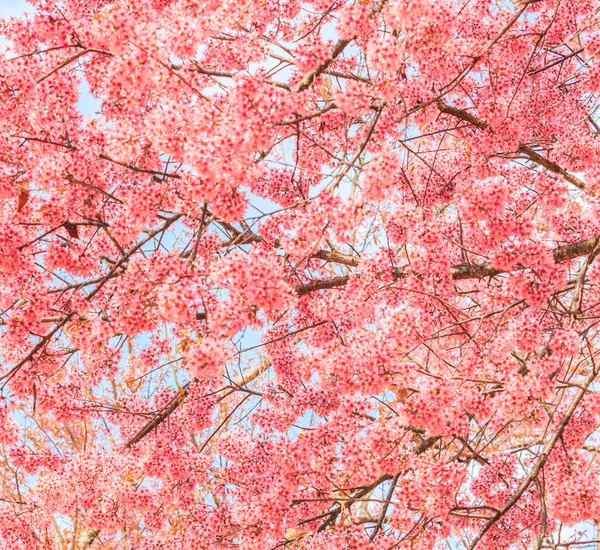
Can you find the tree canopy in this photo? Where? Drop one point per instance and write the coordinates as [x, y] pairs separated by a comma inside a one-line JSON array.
[[315, 275]]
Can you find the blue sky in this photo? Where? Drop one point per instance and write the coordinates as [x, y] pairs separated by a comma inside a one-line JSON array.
[[12, 7]]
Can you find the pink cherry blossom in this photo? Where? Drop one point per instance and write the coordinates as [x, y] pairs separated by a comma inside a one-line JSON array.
[[300, 275]]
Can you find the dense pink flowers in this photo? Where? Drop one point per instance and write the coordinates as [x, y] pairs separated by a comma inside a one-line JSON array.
[[207, 357], [302, 275]]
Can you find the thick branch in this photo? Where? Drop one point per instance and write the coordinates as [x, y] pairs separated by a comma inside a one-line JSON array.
[[524, 149], [460, 272], [323, 284], [172, 406], [385, 507], [549, 165], [310, 76], [248, 237], [86, 537], [463, 115], [337, 49]]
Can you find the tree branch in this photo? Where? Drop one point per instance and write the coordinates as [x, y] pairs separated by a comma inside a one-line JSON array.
[[524, 149], [459, 272], [337, 49], [542, 459], [170, 407]]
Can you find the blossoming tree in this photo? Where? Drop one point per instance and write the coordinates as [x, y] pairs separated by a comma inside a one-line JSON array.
[[317, 275]]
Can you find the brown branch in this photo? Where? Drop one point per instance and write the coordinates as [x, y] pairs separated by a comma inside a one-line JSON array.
[[70, 60], [322, 284], [42, 343], [332, 514], [337, 49], [143, 170], [123, 259], [557, 61], [385, 507], [100, 283], [580, 281], [542, 459], [86, 537], [549, 165], [72, 179], [248, 237], [309, 116], [337, 510], [170, 407], [207, 72], [459, 272], [310, 76], [361, 149], [524, 149], [336, 258], [462, 114], [161, 416]]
